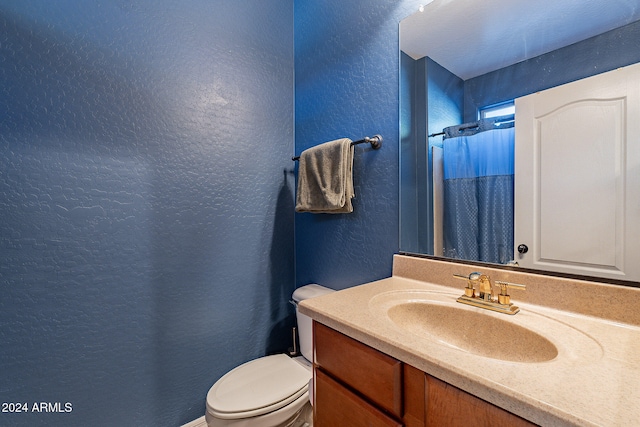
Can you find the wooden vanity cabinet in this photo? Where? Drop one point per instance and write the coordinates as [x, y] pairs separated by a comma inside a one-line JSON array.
[[337, 405], [447, 405], [356, 385]]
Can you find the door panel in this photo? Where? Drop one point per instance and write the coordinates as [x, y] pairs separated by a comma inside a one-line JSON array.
[[577, 176]]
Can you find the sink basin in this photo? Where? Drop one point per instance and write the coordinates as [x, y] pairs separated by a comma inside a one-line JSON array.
[[433, 321], [472, 331]]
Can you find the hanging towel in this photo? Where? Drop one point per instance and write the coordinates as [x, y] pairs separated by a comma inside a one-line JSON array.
[[325, 178]]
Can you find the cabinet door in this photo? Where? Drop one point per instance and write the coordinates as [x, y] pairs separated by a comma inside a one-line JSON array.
[[577, 165], [369, 372], [336, 406], [452, 407], [414, 386]]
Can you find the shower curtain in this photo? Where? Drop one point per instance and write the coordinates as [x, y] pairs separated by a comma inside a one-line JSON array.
[[478, 191]]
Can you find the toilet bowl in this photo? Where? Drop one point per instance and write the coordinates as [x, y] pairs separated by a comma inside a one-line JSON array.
[[271, 391]]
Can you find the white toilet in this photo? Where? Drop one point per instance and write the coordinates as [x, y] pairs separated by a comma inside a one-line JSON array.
[[272, 391]]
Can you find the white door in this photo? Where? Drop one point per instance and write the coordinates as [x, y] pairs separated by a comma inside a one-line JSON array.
[[577, 166]]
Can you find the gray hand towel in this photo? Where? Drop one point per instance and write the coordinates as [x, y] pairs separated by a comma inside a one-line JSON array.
[[325, 178]]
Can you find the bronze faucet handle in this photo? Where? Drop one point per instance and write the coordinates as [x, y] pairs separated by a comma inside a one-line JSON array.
[[503, 297], [471, 276], [471, 279]]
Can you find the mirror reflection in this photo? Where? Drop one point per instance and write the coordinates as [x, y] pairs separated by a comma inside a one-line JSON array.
[[465, 67]]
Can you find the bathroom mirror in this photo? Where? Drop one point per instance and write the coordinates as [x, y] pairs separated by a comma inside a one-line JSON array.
[[465, 60]]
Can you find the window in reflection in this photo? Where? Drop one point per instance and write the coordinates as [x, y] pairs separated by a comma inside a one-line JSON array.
[[495, 110]]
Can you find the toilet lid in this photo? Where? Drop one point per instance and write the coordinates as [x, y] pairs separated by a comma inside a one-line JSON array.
[[258, 387]]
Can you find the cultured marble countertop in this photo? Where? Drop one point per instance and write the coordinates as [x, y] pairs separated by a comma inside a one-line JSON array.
[[593, 381]]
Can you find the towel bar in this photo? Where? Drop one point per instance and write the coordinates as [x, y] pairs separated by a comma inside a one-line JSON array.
[[375, 141]]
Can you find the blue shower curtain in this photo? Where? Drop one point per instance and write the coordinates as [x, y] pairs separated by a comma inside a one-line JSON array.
[[478, 192]]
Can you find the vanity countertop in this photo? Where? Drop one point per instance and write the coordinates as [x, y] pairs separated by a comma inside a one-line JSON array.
[[595, 382]]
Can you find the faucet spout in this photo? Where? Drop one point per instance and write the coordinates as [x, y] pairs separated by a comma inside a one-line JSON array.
[[485, 287]]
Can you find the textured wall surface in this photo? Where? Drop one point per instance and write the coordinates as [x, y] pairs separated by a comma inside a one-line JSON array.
[[431, 97], [146, 241], [347, 80], [604, 52]]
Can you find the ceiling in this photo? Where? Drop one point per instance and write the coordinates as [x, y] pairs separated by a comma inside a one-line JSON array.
[[474, 37]]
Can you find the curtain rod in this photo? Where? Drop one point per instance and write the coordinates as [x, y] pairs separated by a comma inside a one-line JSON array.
[[495, 121]]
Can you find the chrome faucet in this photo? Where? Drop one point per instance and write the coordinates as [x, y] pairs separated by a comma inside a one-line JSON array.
[[479, 293]]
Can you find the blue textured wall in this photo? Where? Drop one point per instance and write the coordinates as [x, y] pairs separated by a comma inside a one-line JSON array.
[[347, 80], [595, 55], [431, 98], [413, 134], [146, 241]]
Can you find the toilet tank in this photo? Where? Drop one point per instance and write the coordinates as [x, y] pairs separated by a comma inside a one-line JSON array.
[[304, 322]]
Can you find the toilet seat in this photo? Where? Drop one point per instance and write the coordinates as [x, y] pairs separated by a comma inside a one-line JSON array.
[[258, 387]]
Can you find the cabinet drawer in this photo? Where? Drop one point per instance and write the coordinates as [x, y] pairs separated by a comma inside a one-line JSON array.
[[450, 406], [336, 406], [375, 375]]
